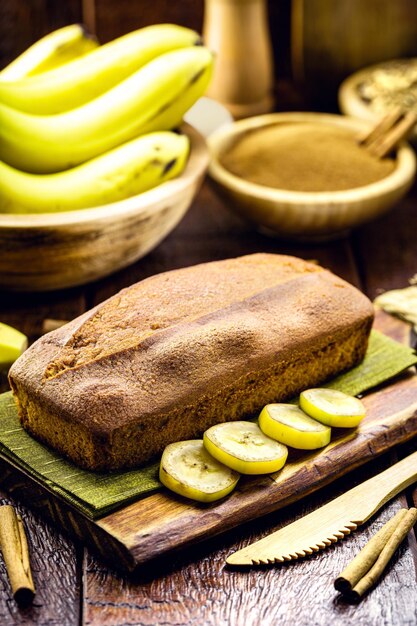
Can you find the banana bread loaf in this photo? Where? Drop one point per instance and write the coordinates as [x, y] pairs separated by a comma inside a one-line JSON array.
[[178, 352]]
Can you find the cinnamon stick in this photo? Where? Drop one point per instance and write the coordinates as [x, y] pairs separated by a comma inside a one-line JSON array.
[[384, 145], [14, 547], [378, 568], [366, 569], [363, 562], [394, 127], [383, 126]]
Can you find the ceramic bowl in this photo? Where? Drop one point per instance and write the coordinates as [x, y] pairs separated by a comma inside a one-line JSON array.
[[306, 215], [56, 250]]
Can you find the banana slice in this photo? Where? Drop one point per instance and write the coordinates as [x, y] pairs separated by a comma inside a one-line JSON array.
[[290, 425], [244, 447], [12, 344], [332, 407], [188, 469]]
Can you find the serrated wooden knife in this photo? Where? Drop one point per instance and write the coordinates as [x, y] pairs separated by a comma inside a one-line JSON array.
[[332, 521]]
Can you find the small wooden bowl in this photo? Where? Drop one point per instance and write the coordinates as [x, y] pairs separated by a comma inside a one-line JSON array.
[[56, 250], [306, 215], [350, 101]]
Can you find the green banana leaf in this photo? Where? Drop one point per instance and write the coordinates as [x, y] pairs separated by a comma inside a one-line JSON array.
[[96, 494]]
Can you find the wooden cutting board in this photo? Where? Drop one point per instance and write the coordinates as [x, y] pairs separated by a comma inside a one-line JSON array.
[[162, 522]]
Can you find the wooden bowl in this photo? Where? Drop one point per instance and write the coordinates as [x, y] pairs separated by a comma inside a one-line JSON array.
[[56, 250], [349, 95], [306, 215]]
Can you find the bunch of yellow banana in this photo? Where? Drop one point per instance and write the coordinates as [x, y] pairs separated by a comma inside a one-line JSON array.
[[83, 125]]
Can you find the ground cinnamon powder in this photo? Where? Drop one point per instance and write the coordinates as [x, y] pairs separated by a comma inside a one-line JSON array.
[[302, 156]]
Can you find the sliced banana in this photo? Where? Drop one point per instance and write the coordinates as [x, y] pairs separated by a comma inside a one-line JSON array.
[[332, 407], [244, 447], [12, 344], [288, 424], [189, 470]]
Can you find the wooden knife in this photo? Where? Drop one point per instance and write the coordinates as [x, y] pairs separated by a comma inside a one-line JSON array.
[[332, 521]]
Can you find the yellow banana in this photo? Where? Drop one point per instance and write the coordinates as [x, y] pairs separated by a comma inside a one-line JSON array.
[[171, 115], [83, 79], [45, 144], [53, 50], [128, 170]]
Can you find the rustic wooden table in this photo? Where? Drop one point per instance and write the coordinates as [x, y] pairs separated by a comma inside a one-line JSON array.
[[194, 586]]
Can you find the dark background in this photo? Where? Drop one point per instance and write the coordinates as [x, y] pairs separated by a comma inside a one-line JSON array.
[[332, 39]]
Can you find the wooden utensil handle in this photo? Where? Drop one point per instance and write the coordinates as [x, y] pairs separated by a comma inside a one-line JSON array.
[[381, 488]]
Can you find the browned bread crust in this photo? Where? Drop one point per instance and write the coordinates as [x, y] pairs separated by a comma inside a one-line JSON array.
[[178, 352]]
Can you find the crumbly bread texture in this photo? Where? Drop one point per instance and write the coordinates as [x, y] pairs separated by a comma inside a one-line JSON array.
[[166, 358]]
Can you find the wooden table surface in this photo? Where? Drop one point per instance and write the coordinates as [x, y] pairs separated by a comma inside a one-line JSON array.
[[194, 586]]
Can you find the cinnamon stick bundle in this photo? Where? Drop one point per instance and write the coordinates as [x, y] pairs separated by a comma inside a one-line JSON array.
[[14, 547], [368, 566]]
